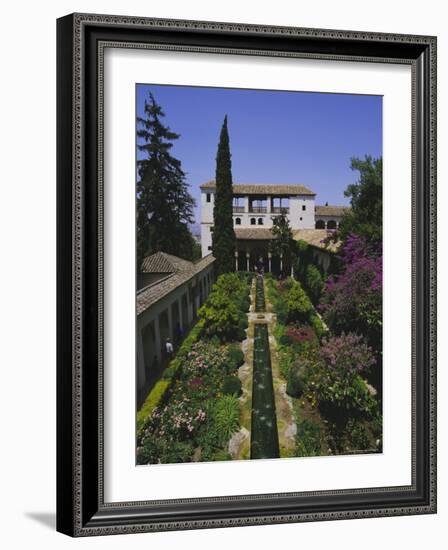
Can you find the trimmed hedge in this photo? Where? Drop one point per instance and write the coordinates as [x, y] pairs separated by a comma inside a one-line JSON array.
[[232, 386], [152, 401], [170, 374]]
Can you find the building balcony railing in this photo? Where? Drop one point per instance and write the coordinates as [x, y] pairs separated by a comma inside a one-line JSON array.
[[278, 209], [258, 209], [238, 209]]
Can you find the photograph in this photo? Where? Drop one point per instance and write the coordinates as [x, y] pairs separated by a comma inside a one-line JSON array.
[[259, 274]]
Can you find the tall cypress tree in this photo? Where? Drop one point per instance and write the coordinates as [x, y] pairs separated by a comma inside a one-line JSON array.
[[164, 205], [223, 240]]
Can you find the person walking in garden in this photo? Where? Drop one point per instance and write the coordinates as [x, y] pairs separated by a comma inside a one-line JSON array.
[[169, 349]]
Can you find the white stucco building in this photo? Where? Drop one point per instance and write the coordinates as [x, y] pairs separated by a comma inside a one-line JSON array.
[[167, 305], [255, 206]]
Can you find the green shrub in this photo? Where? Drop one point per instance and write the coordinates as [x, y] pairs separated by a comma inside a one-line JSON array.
[[317, 324], [297, 378], [285, 339], [169, 373], [223, 314], [235, 358], [164, 451], [220, 317], [232, 386], [281, 310], [227, 416], [313, 282], [308, 438], [222, 422], [285, 361], [299, 306]]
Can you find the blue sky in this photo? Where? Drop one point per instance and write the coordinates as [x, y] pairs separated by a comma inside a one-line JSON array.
[[275, 137]]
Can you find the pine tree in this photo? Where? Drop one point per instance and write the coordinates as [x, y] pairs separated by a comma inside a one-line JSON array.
[[164, 205], [224, 240]]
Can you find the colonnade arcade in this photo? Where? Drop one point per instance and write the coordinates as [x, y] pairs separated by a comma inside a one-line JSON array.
[[253, 257]]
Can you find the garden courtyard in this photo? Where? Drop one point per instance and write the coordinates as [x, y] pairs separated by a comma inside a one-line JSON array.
[[274, 368]]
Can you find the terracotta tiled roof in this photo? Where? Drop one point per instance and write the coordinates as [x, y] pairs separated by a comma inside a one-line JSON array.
[[253, 233], [151, 294], [161, 262], [331, 210], [313, 237], [264, 189]]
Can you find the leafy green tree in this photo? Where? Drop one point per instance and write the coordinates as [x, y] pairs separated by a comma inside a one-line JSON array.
[[220, 316], [366, 196], [223, 241], [298, 304], [282, 243], [164, 204]]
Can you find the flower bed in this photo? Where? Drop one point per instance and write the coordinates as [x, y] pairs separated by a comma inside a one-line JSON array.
[[325, 375], [192, 412]]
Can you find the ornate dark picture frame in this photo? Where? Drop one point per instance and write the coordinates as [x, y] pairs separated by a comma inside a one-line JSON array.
[[81, 509]]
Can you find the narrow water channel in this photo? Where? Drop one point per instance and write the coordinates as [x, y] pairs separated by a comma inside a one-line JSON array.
[[264, 434], [259, 295]]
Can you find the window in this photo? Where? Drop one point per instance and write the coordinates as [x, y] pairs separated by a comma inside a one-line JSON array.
[[212, 229], [279, 204], [209, 197], [258, 206], [209, 247], [238, 221], [300, 219], [260, 221], [252, 221], [303, 207], [238, 204]]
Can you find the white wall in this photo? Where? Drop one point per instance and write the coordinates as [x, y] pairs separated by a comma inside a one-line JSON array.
[[27, 229], [206, 238], [207, 207], [299, 218]]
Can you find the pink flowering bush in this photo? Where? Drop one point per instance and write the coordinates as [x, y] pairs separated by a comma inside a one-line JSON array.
[[176, 428], [301, 335], [352, 300], [337, 376], [302, 339]]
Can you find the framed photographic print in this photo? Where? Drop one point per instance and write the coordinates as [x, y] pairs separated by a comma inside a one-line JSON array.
[[246, 274]]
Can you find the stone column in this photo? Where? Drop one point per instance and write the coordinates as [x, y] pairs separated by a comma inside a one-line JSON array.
[[269, 205], [141, 367], [246, 203], [170, 322], [236, 260], [181, 318], [281, 264], [269, 262], [157, 342], [247, 260]]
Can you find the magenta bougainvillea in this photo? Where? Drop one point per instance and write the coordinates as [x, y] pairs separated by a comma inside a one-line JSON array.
[[352, 300]]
